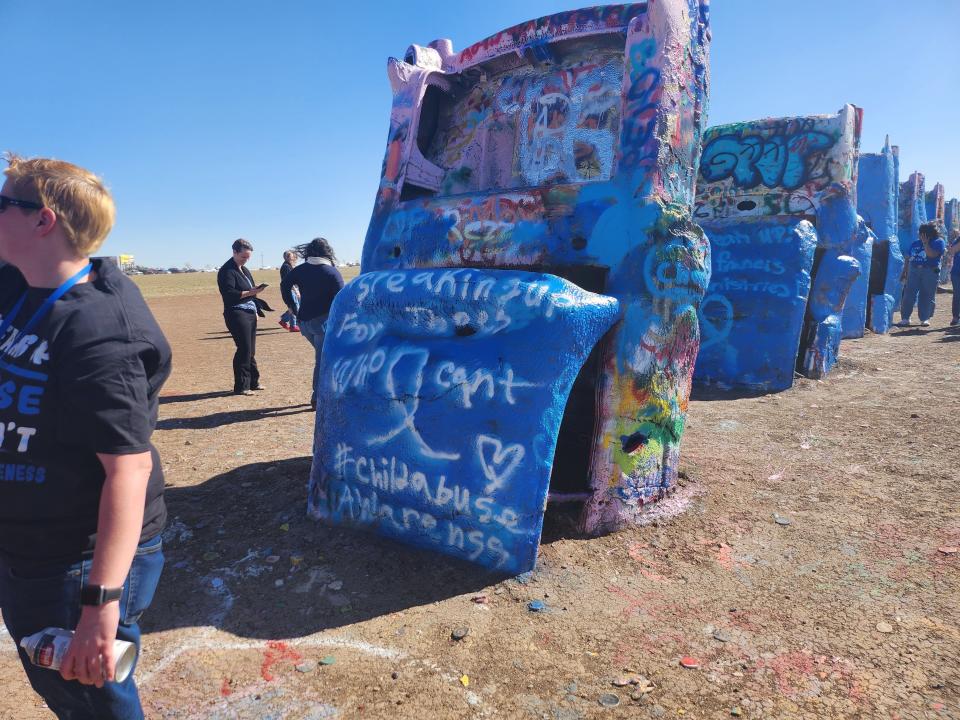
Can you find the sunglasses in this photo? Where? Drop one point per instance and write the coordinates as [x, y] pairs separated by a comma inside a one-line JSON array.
[[25, 204]]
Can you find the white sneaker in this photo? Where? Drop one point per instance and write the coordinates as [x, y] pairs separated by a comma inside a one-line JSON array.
[[925, 323]]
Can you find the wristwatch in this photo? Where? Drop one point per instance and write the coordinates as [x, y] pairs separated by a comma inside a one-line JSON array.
[[99, 595]]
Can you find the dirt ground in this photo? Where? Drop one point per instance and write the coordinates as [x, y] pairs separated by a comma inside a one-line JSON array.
[[807, 563]]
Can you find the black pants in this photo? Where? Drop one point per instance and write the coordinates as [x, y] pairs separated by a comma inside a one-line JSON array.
[[243, 329]]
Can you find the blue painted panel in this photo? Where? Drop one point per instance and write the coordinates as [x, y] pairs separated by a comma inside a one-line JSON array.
[[888, 288], [913, 211], [752, 317], [441, 395], [835, 276], [878, 190], [854, 318]]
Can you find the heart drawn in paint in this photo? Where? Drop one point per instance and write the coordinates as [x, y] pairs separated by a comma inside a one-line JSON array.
[[498, 462]]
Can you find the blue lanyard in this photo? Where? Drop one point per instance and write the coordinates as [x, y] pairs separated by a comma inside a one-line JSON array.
[[42, 310]]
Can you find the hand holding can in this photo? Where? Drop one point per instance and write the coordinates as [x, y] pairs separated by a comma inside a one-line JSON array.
[[47, 648]]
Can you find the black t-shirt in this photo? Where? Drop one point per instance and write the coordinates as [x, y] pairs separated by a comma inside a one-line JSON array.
[[85, 380]]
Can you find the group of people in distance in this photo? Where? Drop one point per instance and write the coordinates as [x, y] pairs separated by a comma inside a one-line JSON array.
[[82, 362], [921, 275], [307, 290]]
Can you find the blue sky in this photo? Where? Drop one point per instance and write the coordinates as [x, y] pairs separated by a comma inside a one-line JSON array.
[[218, 119]]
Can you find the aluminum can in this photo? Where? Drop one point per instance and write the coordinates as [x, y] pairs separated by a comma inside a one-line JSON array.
[[46, 649]]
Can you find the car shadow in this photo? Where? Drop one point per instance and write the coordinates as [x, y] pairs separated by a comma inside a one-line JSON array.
[[710, 393], [243, 556]]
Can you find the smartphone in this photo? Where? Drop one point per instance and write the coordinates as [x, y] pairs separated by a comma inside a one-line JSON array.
[[261, 286]]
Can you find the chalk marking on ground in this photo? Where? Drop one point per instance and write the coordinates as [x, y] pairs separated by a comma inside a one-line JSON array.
[[213, 644]]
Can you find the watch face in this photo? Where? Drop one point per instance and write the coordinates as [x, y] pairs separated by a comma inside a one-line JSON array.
[[90, 595], [98, 594]]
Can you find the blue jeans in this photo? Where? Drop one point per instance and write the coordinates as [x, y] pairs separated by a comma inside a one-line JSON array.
[[314, 331], [955, 281], [290, 316], [922, 284], [34, 598]]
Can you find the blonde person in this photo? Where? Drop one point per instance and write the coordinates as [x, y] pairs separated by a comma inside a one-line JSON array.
[[82, 361]]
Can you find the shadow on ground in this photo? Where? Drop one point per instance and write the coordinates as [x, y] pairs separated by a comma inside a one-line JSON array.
[[711, 393], [225, 335], [242, 556], [219, 419], [166, 399]]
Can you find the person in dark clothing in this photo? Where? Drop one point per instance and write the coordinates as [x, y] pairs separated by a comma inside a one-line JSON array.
[[240, 309], [82, 361], [288, 320], [319, 281]]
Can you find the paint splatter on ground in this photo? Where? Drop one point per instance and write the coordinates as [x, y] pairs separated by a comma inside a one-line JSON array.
[[782, 619]]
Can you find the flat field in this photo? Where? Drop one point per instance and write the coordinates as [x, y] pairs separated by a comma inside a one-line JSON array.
[[849, 607], [205, 283]]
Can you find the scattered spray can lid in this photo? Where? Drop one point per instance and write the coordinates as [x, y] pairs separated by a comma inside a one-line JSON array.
[[47, 648]]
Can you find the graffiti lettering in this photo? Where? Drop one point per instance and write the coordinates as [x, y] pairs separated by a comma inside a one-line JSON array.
[[724, 262], [450, 375], [404, 378], [358, 332], [787, 161], [728, 285]]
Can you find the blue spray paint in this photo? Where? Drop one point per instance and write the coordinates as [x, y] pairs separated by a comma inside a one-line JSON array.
[[442, 393], [878, 185], [834, 279], [788, 169], [752, 318], [521, 155], [913, 211], [854, 317]]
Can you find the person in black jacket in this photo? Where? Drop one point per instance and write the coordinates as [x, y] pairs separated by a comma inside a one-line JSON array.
[[240, 309], [319, 281], [288, 320]]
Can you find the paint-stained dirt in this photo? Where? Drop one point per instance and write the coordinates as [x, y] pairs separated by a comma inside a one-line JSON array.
[[847, 607]]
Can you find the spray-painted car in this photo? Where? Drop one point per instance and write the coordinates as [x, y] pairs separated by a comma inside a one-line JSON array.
[[525, 320], [777, 197]]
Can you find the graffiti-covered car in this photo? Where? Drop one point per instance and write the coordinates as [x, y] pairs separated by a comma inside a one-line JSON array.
[[525, 321]]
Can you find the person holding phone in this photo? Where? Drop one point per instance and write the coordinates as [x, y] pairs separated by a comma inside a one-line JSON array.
[[241, 306]]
